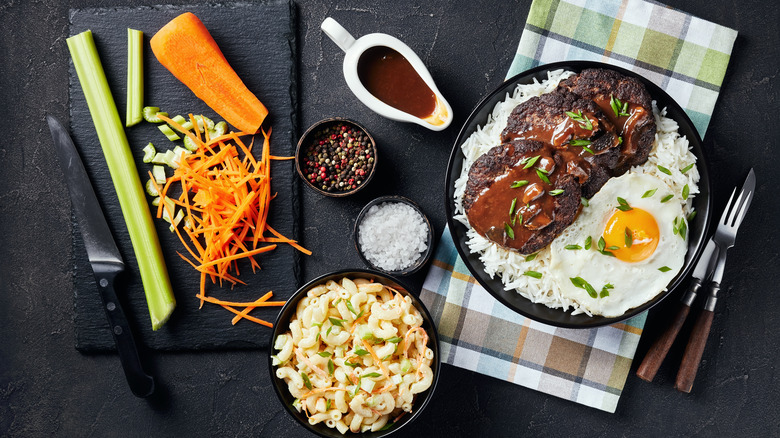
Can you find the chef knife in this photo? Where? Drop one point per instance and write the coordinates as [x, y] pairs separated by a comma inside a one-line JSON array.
[[103, 255]]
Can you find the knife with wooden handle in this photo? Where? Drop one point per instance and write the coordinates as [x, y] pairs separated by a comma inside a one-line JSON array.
[[103, 255]]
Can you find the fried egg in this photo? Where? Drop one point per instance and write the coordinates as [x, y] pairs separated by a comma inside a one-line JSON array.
[[625, 247]]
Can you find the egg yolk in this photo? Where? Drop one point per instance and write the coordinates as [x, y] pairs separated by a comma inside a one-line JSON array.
[[642, 229]]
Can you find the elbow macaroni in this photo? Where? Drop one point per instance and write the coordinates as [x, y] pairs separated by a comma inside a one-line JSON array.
[[355, 355]]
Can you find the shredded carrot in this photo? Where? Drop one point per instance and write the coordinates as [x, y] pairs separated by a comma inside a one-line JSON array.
[[251, 318], [377, 361], [225, 193]]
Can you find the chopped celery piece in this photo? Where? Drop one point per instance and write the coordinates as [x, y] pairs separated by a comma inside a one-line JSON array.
[[149, 153], [156, 201], [171, 159], [127, 182], [158, 172], [169, 209], [181, 120], [190, 145], [165, 129], [135, 77], [275, 360], [280, 341], [406, 366], [188, 222], [176, 220], [180, 152], [219, 129], [150, 189], [151, 112], [159, 158], [204, 123], [367, 384]]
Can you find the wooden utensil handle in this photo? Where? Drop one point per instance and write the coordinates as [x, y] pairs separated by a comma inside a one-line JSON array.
[[693, 351], [655, 356]]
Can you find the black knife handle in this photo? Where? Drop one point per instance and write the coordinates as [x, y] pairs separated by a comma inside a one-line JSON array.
[[141, 384]]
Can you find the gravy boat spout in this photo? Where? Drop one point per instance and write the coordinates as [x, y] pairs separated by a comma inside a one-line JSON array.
[[437, 119]]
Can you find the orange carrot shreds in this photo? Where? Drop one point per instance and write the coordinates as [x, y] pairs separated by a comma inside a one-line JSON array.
[[251, 318], [274, 157], [225, 194]]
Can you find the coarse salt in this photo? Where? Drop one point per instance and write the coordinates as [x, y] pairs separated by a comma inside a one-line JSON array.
[[392, 235]]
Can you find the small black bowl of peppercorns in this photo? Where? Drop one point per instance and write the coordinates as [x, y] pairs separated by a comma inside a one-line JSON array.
[[336, 157]]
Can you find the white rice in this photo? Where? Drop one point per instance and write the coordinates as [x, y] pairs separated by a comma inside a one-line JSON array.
[[670, 150]]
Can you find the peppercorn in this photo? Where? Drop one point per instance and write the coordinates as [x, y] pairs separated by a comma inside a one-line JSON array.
[[336, 156]]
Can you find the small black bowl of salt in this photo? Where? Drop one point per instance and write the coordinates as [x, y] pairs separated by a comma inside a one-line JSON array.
[[393, 235]]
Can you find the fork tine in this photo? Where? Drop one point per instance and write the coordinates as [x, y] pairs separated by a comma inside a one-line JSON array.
[[738, 203], [743, 209], [729, 206]]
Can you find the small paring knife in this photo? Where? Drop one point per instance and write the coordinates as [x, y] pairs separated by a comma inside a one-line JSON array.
[[709, 269], [103, 255]]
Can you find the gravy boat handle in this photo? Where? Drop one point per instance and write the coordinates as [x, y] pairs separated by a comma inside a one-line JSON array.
[[337, 33]]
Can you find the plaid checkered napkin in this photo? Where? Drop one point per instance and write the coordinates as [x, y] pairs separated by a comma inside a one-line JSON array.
[[684, 55]]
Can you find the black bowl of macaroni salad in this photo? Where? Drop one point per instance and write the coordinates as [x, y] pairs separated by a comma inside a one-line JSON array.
[[354, 353]]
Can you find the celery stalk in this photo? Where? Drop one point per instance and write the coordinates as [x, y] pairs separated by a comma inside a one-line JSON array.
[[129, 189], [135, 77]]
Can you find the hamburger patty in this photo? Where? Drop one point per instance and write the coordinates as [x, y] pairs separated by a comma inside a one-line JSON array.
[[557, 148], [540, 216], [601, 86]]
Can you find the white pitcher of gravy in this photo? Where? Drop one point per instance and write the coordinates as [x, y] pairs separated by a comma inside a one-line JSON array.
[[389, 78]]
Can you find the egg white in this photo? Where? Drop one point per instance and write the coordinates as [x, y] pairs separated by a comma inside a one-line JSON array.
[[633, 283]]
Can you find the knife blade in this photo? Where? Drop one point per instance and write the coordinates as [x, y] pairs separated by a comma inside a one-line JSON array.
[[103, 255]]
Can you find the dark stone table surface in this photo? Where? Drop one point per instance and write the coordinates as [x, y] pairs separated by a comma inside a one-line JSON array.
[[47, 388]]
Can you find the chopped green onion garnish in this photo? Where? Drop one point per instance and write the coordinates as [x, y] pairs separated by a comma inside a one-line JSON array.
[[580, 142], [530, 257], [542, 176], [664, 170], [331, 367], [512, 208], [336, 321], [361, 352], [555, 192], [386, 426], [588, 242], [306, 381], [584, 121], [372, 375], [529, 162], [582, 284], [623, 205], [666, 198], [351, 364], [605, 290], [685, 192], [664, 269], [350, 307], [613, 248], [649, 193], [691, 215], [324, 353], [584, 202], [618, 107], [573, 247], [327, 403], [509, 231], [135, 77], [395, 340], [601, 244], [587, 149], [533, 274], [687, 168], [629, 238], [518, 184]]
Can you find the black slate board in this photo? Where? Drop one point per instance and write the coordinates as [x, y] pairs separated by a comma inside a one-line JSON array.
[[258, 40]]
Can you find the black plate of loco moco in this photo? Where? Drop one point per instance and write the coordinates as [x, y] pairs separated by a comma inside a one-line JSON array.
[[511, 298]]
